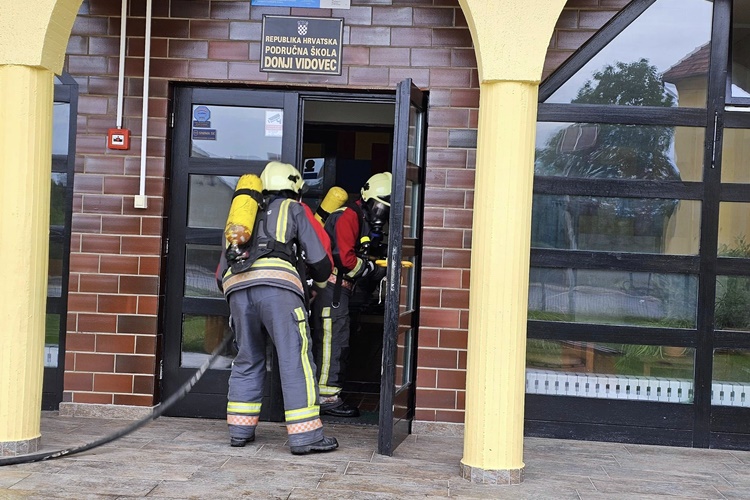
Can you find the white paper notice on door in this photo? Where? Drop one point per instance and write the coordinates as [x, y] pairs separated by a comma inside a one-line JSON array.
[[274, 123]]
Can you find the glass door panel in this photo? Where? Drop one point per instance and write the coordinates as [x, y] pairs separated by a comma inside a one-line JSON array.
[[613, 297], [739, 53], [208, 197], [223, 132], [731, 379], [635, 372]]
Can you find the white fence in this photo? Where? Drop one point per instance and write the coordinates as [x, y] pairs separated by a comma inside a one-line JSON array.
[[593, 385]]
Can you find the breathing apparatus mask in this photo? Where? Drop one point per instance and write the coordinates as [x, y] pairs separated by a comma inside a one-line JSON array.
[[376, 205]]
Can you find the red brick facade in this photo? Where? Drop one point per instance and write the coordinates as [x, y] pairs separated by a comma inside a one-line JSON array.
[[116, 255]]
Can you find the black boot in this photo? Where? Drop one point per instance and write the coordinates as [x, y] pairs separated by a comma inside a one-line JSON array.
[[339, 409], [240, 442], [322, 446]]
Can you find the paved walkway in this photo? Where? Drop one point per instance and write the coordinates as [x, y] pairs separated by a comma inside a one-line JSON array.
[[177, 458]]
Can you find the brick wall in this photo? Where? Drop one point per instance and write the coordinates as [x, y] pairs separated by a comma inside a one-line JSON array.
[[116, 263]]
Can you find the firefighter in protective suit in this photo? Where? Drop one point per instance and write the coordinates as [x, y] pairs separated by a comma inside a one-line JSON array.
[[356, 230], [266, 292]]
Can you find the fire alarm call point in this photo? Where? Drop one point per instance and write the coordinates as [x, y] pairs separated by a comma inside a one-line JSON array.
[[118, 138]]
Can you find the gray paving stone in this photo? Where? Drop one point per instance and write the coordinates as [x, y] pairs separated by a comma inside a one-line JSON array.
[[236, 484], [174, 458], [539, 486], [74, 486], [642, 486], [426, 470], [698, 475], [242, 465], [393, 485], [9, 477], [304, 494], [735, 492]]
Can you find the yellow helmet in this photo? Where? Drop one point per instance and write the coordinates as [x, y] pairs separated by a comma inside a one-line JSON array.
[[376, 195], [278, 176], [378, 187]]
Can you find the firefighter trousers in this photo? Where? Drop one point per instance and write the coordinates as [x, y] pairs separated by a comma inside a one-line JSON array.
[[331, 339], [283, 314]]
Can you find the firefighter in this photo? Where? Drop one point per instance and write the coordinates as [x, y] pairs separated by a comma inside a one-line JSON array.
[[265, 291], [356, 232]]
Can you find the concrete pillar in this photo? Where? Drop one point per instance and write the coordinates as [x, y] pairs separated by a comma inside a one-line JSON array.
[[510, 39], [33, 39], [493, 437], [26, 96]]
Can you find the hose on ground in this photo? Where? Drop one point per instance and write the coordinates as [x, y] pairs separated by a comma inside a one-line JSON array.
[[156, 413]]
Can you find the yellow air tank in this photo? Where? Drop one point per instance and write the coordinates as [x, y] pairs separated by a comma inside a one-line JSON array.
[[245, 201], [334, 199]]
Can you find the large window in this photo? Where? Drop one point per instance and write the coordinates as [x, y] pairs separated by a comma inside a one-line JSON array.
[[640, 268]]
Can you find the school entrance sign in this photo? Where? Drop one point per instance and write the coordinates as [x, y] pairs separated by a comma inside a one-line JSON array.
[[301, 45]]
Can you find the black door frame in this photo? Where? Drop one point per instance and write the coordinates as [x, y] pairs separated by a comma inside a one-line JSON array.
[[698, 424], [401, 324], [66, 91], [205, 400]]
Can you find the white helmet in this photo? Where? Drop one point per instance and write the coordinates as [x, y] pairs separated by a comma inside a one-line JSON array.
[[378, 187], [278, 176]]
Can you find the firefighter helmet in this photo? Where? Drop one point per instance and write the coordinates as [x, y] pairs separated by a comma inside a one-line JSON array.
[[278, 176], [376, 197], [378, 187]]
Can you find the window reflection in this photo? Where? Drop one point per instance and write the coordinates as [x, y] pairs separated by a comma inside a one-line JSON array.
[[200, 269], [51, 340], [646, 63], [416, 131], [56, 234], [613, 297], [642, 225], [236, 133], [404, 360], [734, 230], [619, 151], [60, 128], [209, 199], [610, 371], [731, 378], [735, 155], [200, 336], [739, 68], [733, 302]]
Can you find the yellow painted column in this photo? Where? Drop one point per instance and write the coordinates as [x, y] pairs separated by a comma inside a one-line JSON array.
[[493, 436], [26, 96], [510, 39]]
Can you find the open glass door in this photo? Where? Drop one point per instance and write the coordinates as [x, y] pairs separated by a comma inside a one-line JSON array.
[[219, 135], [401, 319]]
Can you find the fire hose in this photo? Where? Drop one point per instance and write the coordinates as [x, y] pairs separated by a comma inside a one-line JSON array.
[[156, 413]]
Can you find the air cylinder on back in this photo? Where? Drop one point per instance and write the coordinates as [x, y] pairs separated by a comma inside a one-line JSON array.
[[248, 195], [334, 199]]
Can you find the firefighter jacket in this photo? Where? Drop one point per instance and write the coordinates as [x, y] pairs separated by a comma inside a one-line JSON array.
[[285, 232], [346, 227]]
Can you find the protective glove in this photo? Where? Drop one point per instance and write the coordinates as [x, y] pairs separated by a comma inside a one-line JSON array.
[[369, 267], [237, 254]]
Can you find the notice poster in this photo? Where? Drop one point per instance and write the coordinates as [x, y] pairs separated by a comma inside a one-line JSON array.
[[274, 123], [310, 4]]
